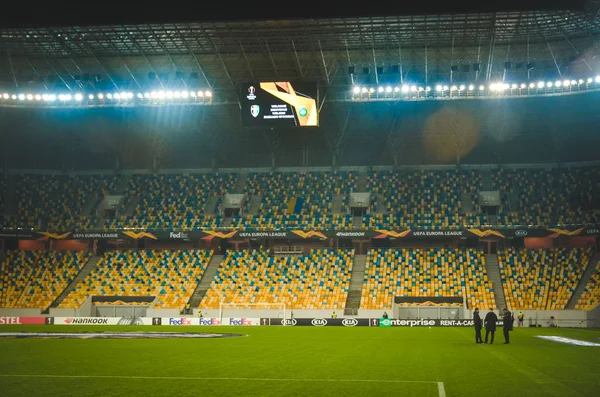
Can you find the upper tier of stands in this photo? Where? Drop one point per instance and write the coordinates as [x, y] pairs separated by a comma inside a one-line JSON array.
[[423, 199], [591, 295], [549, 197], [297, 200], [172, 201], [55, 202], [170, 275], [425, 273], [319, 280], [541, 279], [2, 190], [427, 199], [34, 279]]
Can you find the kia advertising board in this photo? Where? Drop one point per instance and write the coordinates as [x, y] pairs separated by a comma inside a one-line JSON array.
[[318, 322]]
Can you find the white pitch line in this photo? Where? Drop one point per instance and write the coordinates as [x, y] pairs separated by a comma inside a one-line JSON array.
[[441, 389], [208, 378]]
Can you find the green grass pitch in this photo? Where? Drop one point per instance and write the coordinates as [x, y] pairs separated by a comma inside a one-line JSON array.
[[300, 361]]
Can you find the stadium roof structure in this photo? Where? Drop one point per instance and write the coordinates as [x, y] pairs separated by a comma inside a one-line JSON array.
[[454, 48], [220, 55]]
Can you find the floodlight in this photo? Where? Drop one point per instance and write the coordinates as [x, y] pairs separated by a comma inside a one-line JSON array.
[[184, 94], [566, 83], [597, 79], [462, 87], [445, 88], [109, 95], [589, 80], [413, 88], [531, 85], [208, 94], [514, 86], [438, 87], [78, 97], [396, 89], [523, 86], [541, 84], [29, 97], [14, 96], [5, 96], [548, 84], [573, 82], [493, 87], [405, 88], [580, 81], [453, 88], [388, 89], [161, 94], [371, 90], [176, 94], [117, 95], [91, 96], [481, 88], [22, 97], [471, 87], [146, 95], [364, 91], [379, 89], [100, 96], [139, 95], [38, 97], [427, 88], [356, 90]]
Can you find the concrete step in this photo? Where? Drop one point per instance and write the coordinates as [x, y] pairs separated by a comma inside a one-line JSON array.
[[587, 275], [240, 183], [362, 181], [210, 207], [207, 278], [493, 272], [336, 206]]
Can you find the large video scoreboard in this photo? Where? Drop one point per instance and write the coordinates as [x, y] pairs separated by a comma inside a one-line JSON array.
[[273, 104]]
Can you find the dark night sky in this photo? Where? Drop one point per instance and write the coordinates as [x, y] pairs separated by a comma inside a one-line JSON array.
[[69, 13]]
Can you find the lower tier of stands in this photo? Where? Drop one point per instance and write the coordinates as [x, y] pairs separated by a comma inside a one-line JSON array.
[[541, 279], [425, 273], [591, 294], [319, 280], [34, 279], [170, 275]]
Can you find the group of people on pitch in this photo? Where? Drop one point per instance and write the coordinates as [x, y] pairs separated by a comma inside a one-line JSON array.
[[489, 322]]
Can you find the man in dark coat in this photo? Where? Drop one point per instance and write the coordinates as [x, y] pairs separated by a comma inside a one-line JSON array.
[[478, 326], [490, 325], [508, 319]]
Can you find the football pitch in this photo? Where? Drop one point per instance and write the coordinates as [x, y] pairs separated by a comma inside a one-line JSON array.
[[300, 361]]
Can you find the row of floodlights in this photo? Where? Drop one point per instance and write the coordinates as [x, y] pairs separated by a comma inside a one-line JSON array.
[[108, 96], [494, 87]]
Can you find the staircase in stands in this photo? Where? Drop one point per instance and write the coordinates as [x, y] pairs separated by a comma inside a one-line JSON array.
[[356, 283], [83, 273], [587, 275], [493, 272], [204, 284]]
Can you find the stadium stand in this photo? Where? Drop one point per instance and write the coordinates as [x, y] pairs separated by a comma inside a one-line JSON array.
[[541, 279], [172, 201], [170, 275], [591, 295], [319, 280], [423, 199], [425, 273], [549, 197], [55, 202], [34, 279], [2, 192], [297, 200]]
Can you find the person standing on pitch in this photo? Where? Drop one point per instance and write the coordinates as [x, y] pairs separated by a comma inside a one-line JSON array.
[[477, 322], [521, 318], [490, 325], [508, 325]]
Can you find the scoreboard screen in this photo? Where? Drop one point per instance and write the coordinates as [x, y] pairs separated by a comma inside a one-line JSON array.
[[272, 104]]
